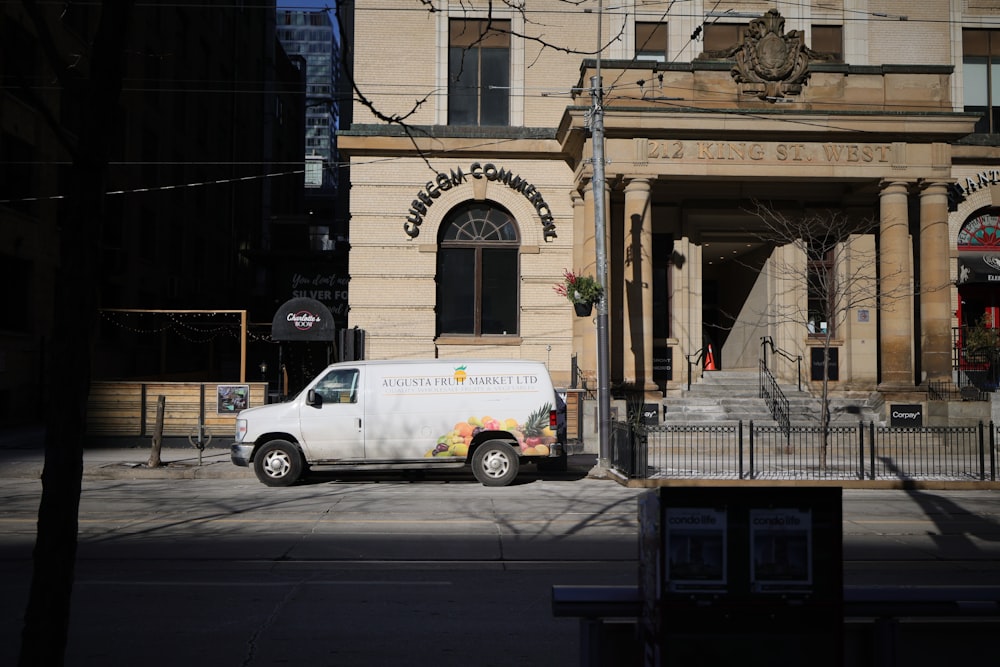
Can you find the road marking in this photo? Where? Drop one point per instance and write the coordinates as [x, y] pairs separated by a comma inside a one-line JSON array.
[[259, 584]]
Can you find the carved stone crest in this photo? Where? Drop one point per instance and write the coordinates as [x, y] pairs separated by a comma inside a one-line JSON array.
[[770, 64]]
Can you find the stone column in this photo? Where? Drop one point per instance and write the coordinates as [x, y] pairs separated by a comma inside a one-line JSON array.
[[637, 285], [935, 285], [896, 310]]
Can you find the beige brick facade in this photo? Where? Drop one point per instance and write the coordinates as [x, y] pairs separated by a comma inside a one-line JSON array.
[[690, 148]]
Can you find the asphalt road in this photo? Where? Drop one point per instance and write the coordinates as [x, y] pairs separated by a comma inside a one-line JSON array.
[[383, 571]]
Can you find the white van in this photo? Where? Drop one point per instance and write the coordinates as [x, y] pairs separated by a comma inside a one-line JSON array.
[[491, 414]]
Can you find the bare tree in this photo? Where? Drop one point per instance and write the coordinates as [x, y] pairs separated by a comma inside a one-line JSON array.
[[825, 262]]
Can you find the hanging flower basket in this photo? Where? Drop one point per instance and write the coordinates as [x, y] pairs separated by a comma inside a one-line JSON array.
[[582, 291]]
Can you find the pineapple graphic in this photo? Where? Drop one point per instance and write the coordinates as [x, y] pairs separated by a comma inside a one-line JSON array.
[[534, 424], [460, 374]]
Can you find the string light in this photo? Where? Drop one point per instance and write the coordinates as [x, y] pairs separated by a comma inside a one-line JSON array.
[[199, 328]]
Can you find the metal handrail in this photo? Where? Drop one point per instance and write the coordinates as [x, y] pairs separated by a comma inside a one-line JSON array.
[[772, 394], [699, 356], [766, 341], [775, 399]]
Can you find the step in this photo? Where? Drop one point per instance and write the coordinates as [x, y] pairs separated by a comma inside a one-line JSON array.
[[730, 396]]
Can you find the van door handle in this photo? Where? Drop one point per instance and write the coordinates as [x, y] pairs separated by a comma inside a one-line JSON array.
[[359, 424]]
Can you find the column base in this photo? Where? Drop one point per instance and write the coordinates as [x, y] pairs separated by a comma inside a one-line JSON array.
[[649, 390], [892, 392]]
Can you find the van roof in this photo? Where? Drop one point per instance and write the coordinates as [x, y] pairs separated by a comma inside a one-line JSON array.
[[450, 362]]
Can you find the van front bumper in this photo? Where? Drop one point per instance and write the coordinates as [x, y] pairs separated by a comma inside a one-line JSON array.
[[239, 454]]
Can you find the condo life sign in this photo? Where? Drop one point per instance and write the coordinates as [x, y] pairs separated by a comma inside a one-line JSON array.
[[432, 191]]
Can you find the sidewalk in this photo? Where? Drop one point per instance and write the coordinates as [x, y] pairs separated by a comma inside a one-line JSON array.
[[22, 457]]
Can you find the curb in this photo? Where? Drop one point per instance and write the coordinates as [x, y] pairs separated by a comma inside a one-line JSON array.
[[171, 470]]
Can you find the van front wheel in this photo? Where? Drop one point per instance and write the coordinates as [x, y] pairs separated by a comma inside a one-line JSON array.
[[278, 463], [495, 464]]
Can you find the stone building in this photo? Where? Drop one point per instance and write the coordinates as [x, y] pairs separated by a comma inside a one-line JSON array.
[[808, 173]]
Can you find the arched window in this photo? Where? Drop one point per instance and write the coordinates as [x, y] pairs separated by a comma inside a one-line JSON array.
[[477, 272], [981, 231]]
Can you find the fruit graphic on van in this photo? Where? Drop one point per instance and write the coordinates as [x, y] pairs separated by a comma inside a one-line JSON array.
[[533, 436], [460, 374]]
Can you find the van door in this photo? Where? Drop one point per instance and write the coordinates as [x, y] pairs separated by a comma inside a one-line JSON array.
[[332, 426]]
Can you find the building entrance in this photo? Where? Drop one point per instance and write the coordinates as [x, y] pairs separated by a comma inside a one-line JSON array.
[[734, 306]]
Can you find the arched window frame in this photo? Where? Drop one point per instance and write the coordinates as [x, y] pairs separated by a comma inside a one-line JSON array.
[[478, 272]]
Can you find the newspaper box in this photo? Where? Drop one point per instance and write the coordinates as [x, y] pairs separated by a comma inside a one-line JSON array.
[[741, 576]]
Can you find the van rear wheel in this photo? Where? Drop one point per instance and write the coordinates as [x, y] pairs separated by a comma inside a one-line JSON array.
[[278, 463], [495, 464]]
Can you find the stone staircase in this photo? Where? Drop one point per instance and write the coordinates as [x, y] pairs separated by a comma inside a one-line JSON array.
[[728, 396]]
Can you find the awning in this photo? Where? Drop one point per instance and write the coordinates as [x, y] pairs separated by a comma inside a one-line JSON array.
[[978, 267], [302, 319]]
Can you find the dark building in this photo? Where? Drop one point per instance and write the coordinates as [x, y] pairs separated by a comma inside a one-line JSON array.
[[208, 149], [309, 252]]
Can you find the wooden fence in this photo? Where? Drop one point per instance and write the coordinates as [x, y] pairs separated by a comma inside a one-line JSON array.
[[193, 409]]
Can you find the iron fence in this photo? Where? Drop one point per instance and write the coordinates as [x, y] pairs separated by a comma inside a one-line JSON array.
[[865, 451], [974, 367]]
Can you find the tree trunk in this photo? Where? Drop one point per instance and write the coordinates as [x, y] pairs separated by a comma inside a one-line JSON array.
[[47, 615], [824, 421], [46, 619], [154, 453]]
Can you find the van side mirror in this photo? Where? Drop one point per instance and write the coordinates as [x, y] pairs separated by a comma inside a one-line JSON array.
[[314, 399]]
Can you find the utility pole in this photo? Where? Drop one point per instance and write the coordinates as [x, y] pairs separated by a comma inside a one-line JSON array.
[[597, 184]]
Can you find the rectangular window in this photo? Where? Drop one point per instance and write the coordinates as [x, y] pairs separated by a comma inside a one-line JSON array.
[[651, 41], [457, 291], [981, 77], [722, 37], [829, 41], [821, 289], [479, 72], [499, 291]]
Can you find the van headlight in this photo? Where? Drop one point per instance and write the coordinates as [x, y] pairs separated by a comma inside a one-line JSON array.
[[241, 429]]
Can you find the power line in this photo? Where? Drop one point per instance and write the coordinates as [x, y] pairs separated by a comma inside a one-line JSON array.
[[161, 188]]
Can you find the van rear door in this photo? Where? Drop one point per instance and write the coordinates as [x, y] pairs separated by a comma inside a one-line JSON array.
[[331, 418]]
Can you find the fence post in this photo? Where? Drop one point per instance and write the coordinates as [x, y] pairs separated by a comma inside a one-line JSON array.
[[739, 445], [640, 440], [871, 449], [982, 454], [861, 449], [751, 472], [993, 453]]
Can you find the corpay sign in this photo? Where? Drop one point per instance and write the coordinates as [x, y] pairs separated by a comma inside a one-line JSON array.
[[906, 414]]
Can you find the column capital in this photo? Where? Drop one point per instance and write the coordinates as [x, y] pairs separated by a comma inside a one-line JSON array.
[[637, 183], [890, 186], [932, 186]]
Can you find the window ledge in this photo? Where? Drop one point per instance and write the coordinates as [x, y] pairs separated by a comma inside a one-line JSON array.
[[478, 340], [819, 340]]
